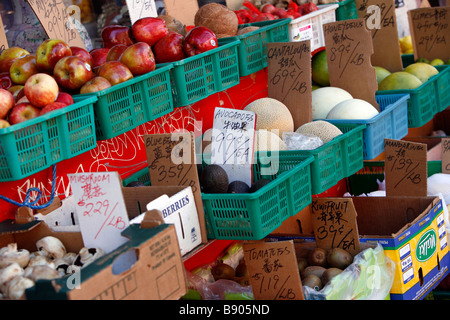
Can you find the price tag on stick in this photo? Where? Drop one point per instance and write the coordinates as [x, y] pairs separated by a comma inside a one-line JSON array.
[[289, 78], [349, 48], [334, 224], [381, 21], [405, 168], [3, 40], [100, 208], [445, 163], [56, 21], [273, 271], [430, 32], [141, 9]]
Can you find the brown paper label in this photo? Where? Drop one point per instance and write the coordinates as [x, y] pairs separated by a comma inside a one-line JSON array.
[[289, 78], [171, 159], [349, 47], [445, 142], [3, 40], [334, 224], [273, 270], [56, 21], [405, 168], [430, 32], [381, 21]]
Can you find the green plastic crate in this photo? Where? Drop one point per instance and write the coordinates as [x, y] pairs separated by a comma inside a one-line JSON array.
[[252, 216], [129, 104], [252, 49], [347, 10], [199, 76], [31, 146]]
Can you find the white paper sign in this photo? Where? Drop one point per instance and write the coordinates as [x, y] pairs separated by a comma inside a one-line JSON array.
[[141, 9], [232, 140], [100, 208], [63, 218]]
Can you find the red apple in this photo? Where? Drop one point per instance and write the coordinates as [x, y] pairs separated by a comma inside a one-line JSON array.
[[115, 72], [149, 30], [5, 80], [115, 52], [49, 52], [41, 89], [82, 53], [22, 100], [116, 34], [64, 97], [198, 40], [138, 58], [52, 106], [72, 72], [169, 48], [23, 68], [9, 55], [4, 123], [22, 112], [16, 90], [98, 56], [95, 84], [6, 102]]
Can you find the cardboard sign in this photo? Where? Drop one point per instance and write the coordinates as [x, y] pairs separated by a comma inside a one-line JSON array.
[[405, 168], [183, 11], [141, 9], [334, 224], [273, 270], [430, 32], [232, 142], [171, 159], [3, 40], [100, 208], [381, 20], [56, 21], [445, 162], [289, 78], [349, 48]]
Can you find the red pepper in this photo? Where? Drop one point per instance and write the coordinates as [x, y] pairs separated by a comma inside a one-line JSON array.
[[293, 6], [5, 80], [251, 6]]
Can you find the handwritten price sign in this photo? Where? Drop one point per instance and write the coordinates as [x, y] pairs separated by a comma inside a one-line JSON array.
[[141, 9], [273, 270], [445, 151], [3, 40], [56, 21], [405, 168], [334, 224], [349, 47], [430, 31], [100, 208]]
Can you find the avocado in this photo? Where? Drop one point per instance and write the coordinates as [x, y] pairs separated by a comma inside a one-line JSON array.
[[258, 184], [329, 274], [214, 179], [339, 258], [238, 186], [318, 257]]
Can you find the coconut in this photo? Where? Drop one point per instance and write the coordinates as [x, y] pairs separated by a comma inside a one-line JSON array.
[[173, 24], [247, 30], [218, 18]]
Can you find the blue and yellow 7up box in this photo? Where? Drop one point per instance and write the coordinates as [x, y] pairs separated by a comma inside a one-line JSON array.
[[414, 238]]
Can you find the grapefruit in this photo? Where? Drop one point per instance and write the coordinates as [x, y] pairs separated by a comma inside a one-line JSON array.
[[406, 43], [381, 73], [319, 66], [421, 70], [400, 80]]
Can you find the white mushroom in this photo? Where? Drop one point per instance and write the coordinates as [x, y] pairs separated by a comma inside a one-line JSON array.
[[87, 256], [42, 272], [39, 260], [51, 247], [73, 269], [11, 255], [70, 257], [11, 247], [16, 287], [9, 272]]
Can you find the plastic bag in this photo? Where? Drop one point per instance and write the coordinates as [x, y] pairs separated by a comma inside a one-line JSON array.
[[369, 277], [299, 141]]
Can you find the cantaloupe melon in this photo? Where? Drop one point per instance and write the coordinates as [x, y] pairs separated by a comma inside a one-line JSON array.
[[353, 109], [271, 115], [268, 141], [325, 98], [325, 130]]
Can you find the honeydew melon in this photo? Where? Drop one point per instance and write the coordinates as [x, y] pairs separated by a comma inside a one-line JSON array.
[[325, 98], [353, 109]]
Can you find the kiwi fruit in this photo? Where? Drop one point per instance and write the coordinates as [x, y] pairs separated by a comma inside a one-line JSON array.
[[329, 274], [316, 270], [339, 258], [302, 263], [312, 281], [318, 257], [223, 271]]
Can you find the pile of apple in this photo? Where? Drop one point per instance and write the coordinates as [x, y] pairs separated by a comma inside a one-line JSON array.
[[34, 84]]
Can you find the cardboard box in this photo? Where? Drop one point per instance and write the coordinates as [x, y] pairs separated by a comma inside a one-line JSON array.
[[158, 273]]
